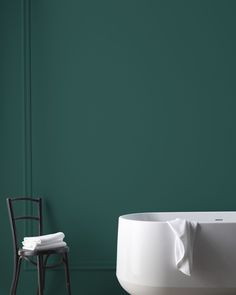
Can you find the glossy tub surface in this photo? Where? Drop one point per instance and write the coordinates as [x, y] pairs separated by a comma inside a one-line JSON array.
[[145, 254]]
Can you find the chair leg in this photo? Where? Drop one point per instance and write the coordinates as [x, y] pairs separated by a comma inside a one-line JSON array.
[[44, 269], [66, 264], [40, 274], [16, 275], [44, 277]]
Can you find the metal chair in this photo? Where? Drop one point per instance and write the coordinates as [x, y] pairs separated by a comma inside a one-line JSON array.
[[41, 255]]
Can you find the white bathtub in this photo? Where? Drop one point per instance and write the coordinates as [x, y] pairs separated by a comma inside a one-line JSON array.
[[145, 255]]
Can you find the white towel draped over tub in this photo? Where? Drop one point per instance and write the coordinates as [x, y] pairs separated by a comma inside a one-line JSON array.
[[44, 242], [184, 232]]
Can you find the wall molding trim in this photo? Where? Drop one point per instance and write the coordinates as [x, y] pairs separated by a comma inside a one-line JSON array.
[[84, 267], [26, 66], [27, 120]]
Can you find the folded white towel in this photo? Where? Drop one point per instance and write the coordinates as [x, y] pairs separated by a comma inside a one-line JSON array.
[[30, 244], [45, 239], [45, 247], [184, 232]]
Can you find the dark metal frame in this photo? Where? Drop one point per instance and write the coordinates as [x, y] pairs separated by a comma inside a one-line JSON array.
[[42, 255]]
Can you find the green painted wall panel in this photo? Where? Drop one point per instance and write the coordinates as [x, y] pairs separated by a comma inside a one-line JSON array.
[[132, 109], [11, 127]]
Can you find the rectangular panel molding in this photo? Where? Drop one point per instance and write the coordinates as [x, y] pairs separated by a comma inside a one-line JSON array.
[[28, 146]]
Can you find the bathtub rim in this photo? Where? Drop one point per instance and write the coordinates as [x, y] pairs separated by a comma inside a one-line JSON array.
[[130, 217]]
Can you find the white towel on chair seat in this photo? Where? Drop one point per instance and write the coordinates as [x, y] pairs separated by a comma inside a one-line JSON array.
[[45, 239], [48, 246], [44, 242], [33, 245]]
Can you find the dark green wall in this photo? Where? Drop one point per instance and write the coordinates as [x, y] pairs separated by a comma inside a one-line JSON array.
[[11, 126], [110, 107]]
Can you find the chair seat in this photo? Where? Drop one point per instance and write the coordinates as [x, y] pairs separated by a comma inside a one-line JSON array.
[[24, 252]]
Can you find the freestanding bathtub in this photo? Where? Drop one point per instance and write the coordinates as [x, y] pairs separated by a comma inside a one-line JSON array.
[[146, 261]]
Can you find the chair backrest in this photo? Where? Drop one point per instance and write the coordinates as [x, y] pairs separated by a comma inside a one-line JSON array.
[[14, 219]]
